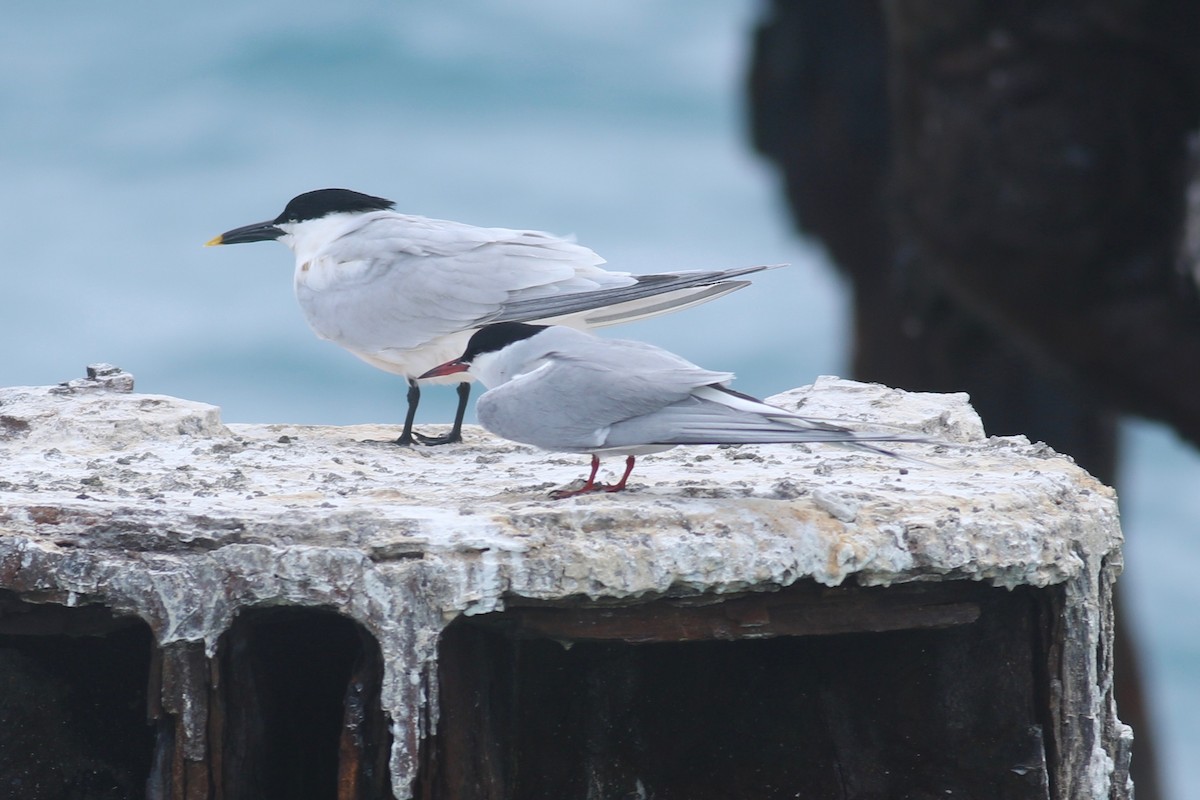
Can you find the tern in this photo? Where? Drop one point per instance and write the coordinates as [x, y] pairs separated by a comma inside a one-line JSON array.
[[561, 389], [404, 293]]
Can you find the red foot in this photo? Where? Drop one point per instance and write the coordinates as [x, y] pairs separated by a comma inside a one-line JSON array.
[[590, 484]]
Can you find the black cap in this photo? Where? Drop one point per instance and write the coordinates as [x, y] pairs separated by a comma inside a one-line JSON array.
[[323, 202], [496, 337]]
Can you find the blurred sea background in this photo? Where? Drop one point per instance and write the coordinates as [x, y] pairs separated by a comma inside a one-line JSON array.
[[132, 133]]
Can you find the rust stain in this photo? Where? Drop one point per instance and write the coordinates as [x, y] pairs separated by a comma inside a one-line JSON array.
[[46, 515], [12, 427], [56, 515]]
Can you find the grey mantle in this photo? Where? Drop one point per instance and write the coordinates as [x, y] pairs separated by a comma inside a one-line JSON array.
[[152, 507]]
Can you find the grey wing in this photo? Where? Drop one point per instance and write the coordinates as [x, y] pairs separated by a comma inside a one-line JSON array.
[[403, 281], [572, 401], [646, 296], [716, 415]]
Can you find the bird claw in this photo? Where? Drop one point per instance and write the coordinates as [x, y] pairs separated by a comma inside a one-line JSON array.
[[563, 494], [406, 440], [453, 437], [388, 442], [411, 438]]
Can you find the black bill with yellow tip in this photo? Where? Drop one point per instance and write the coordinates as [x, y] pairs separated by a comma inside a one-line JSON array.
[[258, 232]]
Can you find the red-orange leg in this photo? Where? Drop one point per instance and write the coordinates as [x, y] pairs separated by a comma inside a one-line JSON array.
[[589, 486], [619, 485]]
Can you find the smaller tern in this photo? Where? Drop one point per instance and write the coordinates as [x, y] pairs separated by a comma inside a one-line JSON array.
[[562, 389], [404, 293]]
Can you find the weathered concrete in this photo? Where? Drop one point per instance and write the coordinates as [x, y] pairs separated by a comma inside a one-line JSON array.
[[153, 507]]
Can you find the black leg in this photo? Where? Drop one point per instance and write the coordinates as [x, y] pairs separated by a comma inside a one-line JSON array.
[[455, 434], [414, 398], [464, 393]]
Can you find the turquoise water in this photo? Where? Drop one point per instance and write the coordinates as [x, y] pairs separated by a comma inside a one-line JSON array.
[[132, 133]]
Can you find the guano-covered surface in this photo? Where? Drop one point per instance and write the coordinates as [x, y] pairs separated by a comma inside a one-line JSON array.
[[151, 506]]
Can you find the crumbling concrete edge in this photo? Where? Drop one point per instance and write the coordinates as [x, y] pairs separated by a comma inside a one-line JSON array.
[[406, 603]]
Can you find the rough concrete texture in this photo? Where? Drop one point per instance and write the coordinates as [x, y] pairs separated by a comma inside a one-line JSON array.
[[153, 506]]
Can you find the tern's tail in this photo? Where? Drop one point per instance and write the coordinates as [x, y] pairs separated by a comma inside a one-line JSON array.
[[648, 296], [716, 414]]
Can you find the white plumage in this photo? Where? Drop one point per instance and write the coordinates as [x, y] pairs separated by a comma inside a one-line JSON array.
[[404, 293], [566, 390]]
